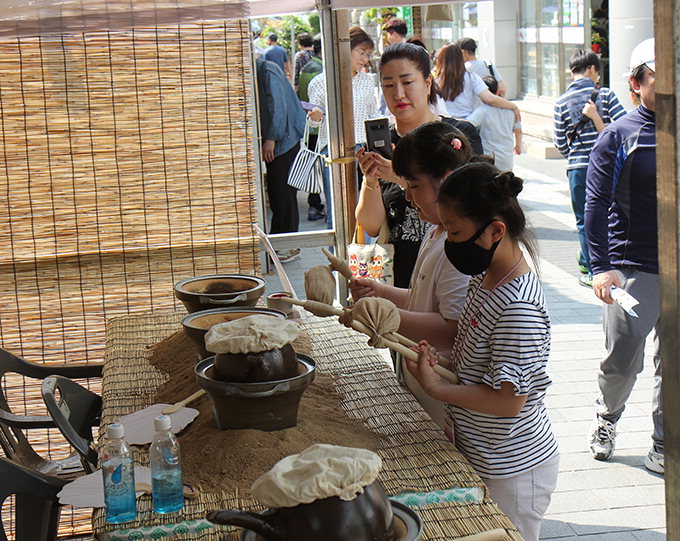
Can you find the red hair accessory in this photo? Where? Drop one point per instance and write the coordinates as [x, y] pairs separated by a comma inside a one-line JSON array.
[[456, 143]]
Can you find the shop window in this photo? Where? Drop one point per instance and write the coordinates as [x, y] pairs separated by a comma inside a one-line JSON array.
[[550, 31]]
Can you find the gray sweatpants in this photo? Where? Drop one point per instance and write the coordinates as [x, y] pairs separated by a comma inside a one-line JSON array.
[[625, 337]]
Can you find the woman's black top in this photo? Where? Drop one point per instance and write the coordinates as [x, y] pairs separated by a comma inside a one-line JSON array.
[[407, 230]]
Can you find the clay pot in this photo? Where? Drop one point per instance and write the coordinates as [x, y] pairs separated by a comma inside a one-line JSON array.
[[368, 517], [270, 365], [197, 324], [219, 290], [274, 301], [269, 405]]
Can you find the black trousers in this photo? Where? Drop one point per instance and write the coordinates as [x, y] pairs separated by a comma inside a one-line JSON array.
[[314, 199], [282, 197]]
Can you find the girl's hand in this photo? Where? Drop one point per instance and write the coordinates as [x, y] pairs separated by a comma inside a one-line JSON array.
[[346, 317], [422, 370], [364, 287]]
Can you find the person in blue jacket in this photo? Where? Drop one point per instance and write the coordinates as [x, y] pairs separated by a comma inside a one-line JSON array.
[[282, 123], [621, 229]]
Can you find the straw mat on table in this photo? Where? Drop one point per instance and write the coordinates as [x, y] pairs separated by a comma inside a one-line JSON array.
[[343, 349], [416, 456]]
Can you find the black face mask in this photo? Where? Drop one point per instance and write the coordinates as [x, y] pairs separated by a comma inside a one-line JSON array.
[[467, 256]]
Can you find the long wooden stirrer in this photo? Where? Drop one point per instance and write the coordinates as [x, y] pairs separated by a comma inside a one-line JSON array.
[[339, 265], [343, 268], [324, 310]]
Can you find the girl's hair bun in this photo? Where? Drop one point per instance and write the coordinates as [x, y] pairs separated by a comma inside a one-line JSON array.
[[509, 183]]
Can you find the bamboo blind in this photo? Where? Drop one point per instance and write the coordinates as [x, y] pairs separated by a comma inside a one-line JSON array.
[[126, 165]]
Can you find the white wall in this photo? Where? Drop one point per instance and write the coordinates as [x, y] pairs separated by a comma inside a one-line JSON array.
[[497, 40], [630, 22]]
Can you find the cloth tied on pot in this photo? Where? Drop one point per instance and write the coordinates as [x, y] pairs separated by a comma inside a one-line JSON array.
[[320, 471], [381, 316], [320, 284], [250, 334]]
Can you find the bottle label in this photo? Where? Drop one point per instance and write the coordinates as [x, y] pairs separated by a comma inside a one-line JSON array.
[[119, 480]]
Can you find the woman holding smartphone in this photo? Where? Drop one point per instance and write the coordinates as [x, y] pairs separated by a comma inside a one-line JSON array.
[[409, 90]]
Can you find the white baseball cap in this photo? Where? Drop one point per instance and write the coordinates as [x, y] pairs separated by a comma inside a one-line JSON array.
[[643, 54]]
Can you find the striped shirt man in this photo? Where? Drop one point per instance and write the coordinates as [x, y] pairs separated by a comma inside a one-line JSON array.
[[504, 336], [569, 110]]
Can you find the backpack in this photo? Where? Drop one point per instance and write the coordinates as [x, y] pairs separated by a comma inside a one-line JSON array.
[[576, 132]]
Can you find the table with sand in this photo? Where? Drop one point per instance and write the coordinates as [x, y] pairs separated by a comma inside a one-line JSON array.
[[355, 400]]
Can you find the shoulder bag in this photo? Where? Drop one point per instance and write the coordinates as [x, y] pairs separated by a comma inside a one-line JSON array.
[[306, 171]]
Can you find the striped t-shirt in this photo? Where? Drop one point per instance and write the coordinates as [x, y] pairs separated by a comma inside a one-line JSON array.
[[505, 336], [569, 110]]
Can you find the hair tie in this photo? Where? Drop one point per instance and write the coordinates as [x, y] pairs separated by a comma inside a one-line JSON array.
[[456, 143]]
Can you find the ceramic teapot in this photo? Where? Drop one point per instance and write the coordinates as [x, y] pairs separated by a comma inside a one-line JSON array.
[[368, 517]]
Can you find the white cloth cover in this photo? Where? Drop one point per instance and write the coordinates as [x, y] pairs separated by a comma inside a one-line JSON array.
[[320, 471], [250, 334]]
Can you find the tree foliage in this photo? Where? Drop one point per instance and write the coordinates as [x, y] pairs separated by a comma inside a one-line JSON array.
[[281, 26]]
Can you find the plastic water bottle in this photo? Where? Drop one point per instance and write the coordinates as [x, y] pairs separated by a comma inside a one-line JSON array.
[[166, 468], [119, 477]]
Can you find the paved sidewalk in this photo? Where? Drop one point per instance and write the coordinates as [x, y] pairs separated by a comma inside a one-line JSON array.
[[608, 501]]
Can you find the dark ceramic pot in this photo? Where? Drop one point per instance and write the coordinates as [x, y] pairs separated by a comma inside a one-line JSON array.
[[219, 290], [368, 517], [270, 365], [197, 324], [271, 405]]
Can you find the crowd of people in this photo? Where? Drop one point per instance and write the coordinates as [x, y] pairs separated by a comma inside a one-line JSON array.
[[462, 282]]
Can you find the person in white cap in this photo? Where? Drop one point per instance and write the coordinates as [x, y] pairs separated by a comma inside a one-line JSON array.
[[621, 229]]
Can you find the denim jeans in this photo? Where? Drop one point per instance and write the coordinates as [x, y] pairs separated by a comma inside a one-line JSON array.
[[577, 187]]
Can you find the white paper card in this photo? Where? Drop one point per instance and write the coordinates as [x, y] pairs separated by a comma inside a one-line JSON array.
[[88, 490], [139, 425]]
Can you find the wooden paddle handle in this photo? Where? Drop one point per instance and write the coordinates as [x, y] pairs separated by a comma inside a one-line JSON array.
[[339, 265], [324, 310], [491, 535], [413, 356], [177, 405]]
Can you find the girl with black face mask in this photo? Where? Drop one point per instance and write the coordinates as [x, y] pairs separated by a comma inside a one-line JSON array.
[[501, 350]]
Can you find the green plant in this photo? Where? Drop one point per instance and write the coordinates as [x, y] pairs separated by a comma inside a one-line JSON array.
[[596, 37]]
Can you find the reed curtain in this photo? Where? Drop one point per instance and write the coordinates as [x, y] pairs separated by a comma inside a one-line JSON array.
[[126, 165]]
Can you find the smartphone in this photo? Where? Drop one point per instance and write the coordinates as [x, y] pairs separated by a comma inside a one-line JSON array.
[[378, 137]]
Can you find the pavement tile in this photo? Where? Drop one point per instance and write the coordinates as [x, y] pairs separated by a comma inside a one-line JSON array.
[[657, 534], [565, 502], [616, 477], [622, 519], [556, 529]]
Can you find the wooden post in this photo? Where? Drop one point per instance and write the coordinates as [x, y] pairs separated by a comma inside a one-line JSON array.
[[666, 32], [340, 123], [418, 21]]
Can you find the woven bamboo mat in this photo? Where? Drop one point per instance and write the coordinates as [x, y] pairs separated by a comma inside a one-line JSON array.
[[128, 165], [415, 454]]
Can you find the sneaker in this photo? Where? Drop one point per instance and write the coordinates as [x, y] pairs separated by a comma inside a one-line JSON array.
[[583, 269], [654, 462], [601, 440], [586, 280], [315, 214], [286, 256]]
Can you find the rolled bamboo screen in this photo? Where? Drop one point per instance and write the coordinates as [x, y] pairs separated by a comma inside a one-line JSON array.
[[126, 165]]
